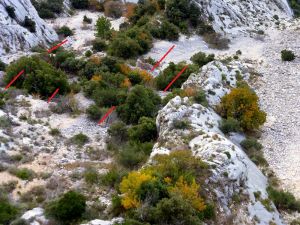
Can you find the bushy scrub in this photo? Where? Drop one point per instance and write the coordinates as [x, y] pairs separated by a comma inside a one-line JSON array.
[[139, 102], [229, 125], [65, 31], [68, 209], [94, 112], [48, 8], [242, 105], [79, 139], [10, 11], [80, 4], [283, 200], [200, 98], [8, 212], [251, 143], [170, 72], [23, 173], [39, 77], [99, 45], [29, 24], [144, 131], [287, 55], [168, 190], [202, 59], [164, 30], [118, 132]]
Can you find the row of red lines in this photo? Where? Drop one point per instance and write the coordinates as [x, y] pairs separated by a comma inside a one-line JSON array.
[[167, 88], [113, 107], [23, 71]]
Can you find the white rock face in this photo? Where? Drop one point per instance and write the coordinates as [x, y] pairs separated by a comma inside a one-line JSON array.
[[15, 37], [35, 216], [234, 174], [236, 16]]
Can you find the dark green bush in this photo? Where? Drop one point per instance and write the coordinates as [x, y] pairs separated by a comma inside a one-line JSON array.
[[200, 98], [65, 31], [202, 59], [79, 139], [87, 20], [80, 4], [88, 53], [287, 55], [10, 11], [181, 124], [140, 102], [94, 112], [2, 66], [251, 143], [103, 27], [135, 154], [170, 72], [283, 200], [40, 77], [48, 8], [144, 131], [99, 45], [118, 132], [165, 31], [8, 212], [29, 24], [68, 208], [229, 125], [135, 77]]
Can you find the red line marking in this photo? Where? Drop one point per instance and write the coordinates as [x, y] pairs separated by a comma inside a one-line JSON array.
[[52, 96], [57, 46], [165, 55], [107, 114], [14, 79], [177, 76]]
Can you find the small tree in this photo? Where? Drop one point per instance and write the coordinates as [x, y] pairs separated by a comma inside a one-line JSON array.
[[202, 59], [103, 27], [68, 208], [144, 131]]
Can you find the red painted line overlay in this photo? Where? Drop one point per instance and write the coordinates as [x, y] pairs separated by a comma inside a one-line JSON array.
[[177, 76], [57, 46], [107, 114], [52, 96], [165, 55], [13, 80]]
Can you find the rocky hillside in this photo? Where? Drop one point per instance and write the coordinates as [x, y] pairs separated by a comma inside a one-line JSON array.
[[21, 28]]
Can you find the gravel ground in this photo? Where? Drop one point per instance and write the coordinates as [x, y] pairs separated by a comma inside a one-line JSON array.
[[279, 93]]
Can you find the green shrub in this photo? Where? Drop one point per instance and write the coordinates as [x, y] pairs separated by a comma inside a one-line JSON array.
[[99, 45], [165, 77], [103, 27], [200, 98], [94, 112], [79, 139], [65, 31], [5, 122], [135, 154], [202, 59], [251, 143], [118, 132], [39, 77], [87, 20], [287, 55], [229, 125], [283, 200], [80, 4], [48, 8], [88, 53], [181, 124], [113, 177], [23, 173], [139, 102], [68, 208], [2, 66], [91, 176], [54, 132], [10, 11], [8, 212], [29, 24], [165, 31], [144, 131], [135, 77]]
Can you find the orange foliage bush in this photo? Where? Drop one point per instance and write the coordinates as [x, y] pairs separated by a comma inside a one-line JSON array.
[[242, 104], [129, 10]]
